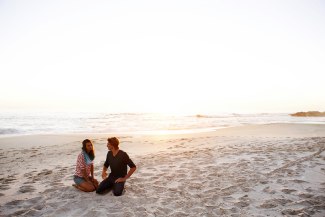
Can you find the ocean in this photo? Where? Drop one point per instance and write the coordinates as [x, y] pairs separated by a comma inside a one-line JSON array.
[[29, 123]]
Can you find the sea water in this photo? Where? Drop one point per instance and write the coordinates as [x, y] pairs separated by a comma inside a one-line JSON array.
[[29, 123]]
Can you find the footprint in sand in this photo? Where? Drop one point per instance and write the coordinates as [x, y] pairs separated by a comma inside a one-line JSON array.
[[64, 169], [228, 191], [8, 180], [146, 174], [268, 204], [263, 182], [221, 211], [19, 212], [306, 202], [298, 181], [32, 212], [33, 201], [4, 187], [26, 189], [309, 189], [302, 212], [242, 204], [29, 182], [269, 190], [305, 195], [282, 201], [14, 203], [34, 155], [288, 191], [45, 172], [28, 175]]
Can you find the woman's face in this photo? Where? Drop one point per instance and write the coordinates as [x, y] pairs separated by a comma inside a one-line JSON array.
[[89, 147]]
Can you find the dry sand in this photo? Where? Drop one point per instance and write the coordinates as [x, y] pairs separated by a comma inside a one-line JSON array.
[[258, 170]]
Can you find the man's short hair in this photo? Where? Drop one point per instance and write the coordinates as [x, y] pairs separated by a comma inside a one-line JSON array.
[[114, 142]]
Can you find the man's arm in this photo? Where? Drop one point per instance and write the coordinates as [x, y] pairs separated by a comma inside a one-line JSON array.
[[131, 171], [105, 167], [104, 173]]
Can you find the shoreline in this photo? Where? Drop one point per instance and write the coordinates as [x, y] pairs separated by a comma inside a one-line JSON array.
[[265, 130]]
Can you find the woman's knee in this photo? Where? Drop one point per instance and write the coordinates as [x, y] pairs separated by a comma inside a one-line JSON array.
[[87, 187], [91, 189]]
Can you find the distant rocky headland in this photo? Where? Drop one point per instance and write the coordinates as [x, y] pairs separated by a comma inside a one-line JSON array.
[[309, 114]]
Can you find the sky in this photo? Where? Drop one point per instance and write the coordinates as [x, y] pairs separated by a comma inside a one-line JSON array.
[[171, 56]]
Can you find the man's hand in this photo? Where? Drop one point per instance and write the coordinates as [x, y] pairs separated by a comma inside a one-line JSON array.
[[120, 180], [104, 175]]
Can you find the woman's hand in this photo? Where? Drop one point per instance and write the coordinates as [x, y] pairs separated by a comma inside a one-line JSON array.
[[95, 183]]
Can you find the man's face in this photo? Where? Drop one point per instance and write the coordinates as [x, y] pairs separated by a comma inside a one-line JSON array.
[[109, 146]]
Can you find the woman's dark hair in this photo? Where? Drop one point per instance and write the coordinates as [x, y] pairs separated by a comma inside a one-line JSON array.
[[92, 152], [114, 142]]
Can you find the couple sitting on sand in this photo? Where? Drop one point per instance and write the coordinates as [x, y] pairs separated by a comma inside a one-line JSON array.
[[116, 159]]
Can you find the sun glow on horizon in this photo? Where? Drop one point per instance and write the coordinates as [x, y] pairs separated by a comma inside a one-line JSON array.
[[165, 57]]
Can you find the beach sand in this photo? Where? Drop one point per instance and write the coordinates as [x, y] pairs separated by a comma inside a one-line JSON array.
[[256, 170]]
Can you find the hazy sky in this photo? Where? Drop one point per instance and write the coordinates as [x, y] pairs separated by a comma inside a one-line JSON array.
[[197, 56]]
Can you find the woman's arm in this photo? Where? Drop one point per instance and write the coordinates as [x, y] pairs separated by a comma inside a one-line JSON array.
[[92, 171], [81, 167], [85, 175]]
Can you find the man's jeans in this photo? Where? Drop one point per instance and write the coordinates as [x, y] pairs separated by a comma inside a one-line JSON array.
[[110, 183]]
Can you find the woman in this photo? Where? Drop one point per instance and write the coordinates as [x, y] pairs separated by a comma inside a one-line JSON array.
[[84, 174]]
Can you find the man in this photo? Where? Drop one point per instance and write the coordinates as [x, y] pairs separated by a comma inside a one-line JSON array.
[[118, 161]]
